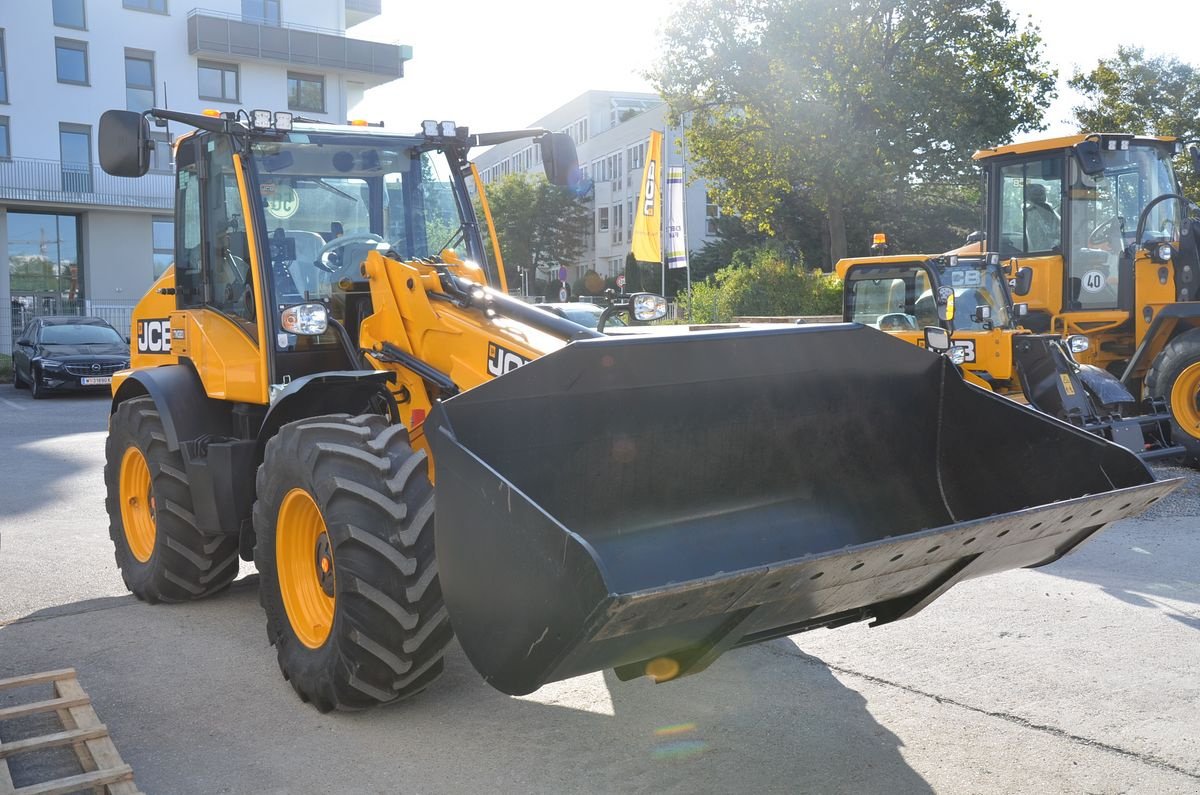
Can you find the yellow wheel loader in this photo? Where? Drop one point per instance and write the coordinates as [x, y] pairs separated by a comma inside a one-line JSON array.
[[969, 297], [1109, 249], [333, 352]]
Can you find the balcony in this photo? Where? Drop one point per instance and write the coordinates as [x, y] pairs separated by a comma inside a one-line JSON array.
[[216, 33], [361, 10], [51, 182]]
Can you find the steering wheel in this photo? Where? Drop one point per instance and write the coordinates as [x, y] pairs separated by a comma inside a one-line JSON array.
[[338, 242], [896, 321], [1102, 231]]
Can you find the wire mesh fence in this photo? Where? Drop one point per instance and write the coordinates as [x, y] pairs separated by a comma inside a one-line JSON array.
[[21, 309]]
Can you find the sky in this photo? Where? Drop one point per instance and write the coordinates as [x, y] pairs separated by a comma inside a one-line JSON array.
[[507, 64]]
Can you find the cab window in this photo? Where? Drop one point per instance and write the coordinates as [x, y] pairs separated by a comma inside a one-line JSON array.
[[888, 300], [1031, 207]]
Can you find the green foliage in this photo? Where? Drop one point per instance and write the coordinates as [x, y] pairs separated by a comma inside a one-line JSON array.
[[810, 117], [1145, 96], [5, 368], [539, 225], [761, 283]]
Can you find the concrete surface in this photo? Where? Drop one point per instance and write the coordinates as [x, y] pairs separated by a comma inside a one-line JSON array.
[[1083, 676]]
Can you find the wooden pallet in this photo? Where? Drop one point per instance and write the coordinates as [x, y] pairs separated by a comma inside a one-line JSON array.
[[104, 770]]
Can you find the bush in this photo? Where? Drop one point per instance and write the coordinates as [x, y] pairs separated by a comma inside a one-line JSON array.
[[761, 283]]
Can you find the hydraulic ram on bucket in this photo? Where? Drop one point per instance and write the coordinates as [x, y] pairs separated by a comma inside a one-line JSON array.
[[647, 503]]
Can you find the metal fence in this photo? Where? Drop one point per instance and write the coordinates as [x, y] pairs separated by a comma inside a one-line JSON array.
[[29, 179], [22, 309]]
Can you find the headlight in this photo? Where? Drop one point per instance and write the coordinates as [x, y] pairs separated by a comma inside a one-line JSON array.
[[50, 364], [648, 306], [957, 355], [1163, 252], [1077, 343], [308, 319]]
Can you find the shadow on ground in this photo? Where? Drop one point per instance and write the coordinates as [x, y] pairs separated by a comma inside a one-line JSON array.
[[196, 703]]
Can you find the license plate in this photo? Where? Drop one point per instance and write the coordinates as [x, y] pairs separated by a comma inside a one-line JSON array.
[[96, 380]]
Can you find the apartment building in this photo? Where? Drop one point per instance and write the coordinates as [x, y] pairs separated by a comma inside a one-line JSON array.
[[75, 238], [611, 130]]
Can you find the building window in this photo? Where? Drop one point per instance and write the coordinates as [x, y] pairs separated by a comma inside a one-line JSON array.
[[602, 219], [139, 80], [5, 148], [306, 92], [160, 156], [617, 225], [3, 71], [218, 81], [164, 243], [75, 152], [155, 6], [69, 14], [712, 214], [71, 59], [264, 12]]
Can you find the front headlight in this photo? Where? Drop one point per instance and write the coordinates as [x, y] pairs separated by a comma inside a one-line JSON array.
[[957, 355], [50, 364], [648, 306], [307, 319], [1078, 343]]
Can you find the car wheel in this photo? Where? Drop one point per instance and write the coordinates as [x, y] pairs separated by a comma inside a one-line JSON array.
[[36, 390], [18, 382]]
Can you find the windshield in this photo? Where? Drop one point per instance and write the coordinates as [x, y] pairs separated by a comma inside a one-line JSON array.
[[327, 201], [79, 334], [1105, 209], [976, 285]]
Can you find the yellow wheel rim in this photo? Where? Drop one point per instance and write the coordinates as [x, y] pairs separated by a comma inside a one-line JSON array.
[[137, 504], [304, 560], [1185, 400]]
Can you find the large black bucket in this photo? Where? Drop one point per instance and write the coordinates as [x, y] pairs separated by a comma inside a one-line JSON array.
[[646, 503]]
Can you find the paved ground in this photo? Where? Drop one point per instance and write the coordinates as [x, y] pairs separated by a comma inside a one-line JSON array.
[[1080, 677]]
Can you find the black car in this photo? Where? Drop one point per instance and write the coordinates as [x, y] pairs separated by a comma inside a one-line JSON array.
[[68, 353]]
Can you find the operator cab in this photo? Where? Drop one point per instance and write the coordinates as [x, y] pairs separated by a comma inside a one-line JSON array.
[[901, 296], [1081, 198]]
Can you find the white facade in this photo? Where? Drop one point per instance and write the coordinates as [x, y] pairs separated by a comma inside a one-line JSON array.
[[70, 233], [611, 131]]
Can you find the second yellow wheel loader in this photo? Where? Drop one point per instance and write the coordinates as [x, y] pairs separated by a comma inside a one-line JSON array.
[[332, 352]]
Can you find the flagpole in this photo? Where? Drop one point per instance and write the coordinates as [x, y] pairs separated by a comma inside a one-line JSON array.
[[662, 216], [683, 210]]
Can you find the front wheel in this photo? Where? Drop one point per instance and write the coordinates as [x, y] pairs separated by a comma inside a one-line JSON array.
[[344, 550], [1175, 377], [36, 390], [161, 554]]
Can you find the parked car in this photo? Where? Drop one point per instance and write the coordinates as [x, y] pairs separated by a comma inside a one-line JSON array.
[[582, 313], [67, 353]]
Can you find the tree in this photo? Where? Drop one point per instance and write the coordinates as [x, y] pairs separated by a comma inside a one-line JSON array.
[[539, 225], [825, 105], [1145, 96]]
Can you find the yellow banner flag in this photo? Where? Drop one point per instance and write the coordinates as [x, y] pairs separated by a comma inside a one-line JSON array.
[[647, 213]]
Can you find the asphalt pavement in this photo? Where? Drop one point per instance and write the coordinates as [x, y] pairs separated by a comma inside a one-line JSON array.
[[1082, 676]]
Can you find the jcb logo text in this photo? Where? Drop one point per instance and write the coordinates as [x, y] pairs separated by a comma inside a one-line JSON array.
[[154, 336]]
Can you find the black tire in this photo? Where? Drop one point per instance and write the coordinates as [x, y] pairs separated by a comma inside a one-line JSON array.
[[389, 627], [1178, 355], [183, 565], [36, 390]]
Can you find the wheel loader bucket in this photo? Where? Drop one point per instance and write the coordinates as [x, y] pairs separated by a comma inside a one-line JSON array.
[[647, 503]]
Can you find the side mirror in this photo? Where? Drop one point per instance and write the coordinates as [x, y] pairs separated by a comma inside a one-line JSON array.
[[945, 304], [560, 160], [937, 339], [982, 313], [975, 237], [1022, 282], [1087, 153], [24, 341], [642, 308], [125, 143]]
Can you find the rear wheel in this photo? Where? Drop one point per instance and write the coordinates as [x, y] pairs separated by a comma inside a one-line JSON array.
[[161, 554], [1175, 377], [344, 550]]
